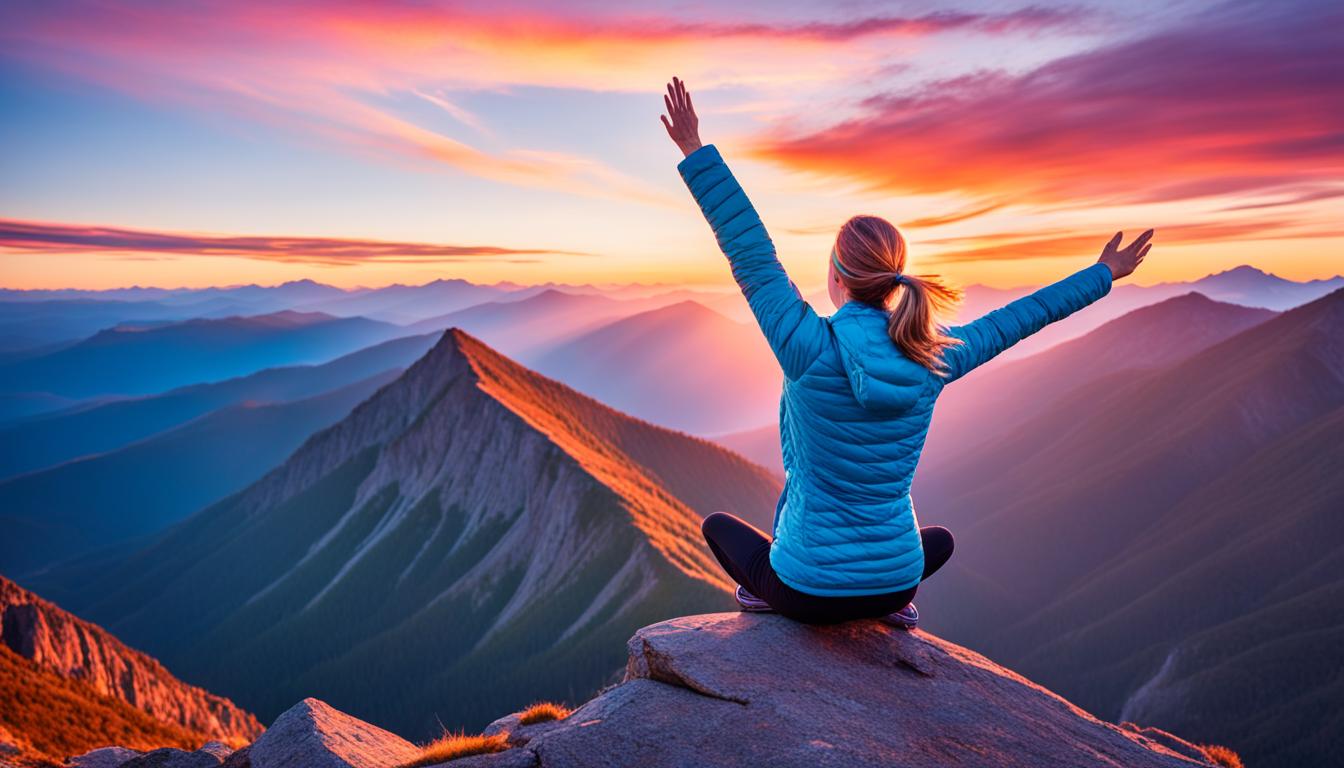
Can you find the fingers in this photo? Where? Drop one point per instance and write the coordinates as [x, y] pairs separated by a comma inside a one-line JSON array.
[[1143, 252], [670, 109], [668, 126], [1142, 239], [1114, 242]]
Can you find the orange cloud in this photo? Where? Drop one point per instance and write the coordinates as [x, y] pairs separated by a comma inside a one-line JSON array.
[[1046, 244]]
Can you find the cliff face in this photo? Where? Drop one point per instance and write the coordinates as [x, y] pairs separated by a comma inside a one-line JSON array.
[[72, 648]]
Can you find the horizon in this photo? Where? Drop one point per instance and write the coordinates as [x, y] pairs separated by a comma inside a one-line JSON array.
[[558, 286], [408, 142]]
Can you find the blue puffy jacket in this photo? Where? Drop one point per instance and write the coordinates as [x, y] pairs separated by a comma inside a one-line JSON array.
[[854, 411]]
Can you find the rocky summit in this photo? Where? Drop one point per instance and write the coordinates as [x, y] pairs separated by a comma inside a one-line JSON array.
[[733, 689]]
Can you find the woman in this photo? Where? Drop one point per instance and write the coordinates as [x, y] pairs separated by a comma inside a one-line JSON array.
[[859, 389]]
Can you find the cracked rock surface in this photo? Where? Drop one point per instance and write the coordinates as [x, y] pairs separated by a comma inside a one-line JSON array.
[[738, 689]]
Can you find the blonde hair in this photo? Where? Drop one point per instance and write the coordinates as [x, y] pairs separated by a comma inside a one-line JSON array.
[[869, 258]]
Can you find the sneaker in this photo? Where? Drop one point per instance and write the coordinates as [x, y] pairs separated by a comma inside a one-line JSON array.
[[750, 602], [906, 618]]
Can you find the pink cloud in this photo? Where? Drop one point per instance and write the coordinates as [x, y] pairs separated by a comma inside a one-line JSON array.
[[1242, 98], [135, 244]]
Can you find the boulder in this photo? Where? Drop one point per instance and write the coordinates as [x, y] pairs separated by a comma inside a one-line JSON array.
[[749, 689], [209, 756], [312, 734], [104, 757]]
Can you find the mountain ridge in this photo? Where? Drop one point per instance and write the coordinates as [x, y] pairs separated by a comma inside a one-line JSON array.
[[471, 498]]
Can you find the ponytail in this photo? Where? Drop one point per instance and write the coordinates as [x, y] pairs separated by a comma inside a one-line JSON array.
[[914, 325], [869, 258]]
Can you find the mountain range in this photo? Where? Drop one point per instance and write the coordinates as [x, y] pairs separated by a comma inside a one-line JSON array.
[[470, 538], [135, 359], [51, 438], [103, 500]]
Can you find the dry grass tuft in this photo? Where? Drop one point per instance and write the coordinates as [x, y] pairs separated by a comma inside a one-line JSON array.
[[1222, 756], [542, 712], [451, 746]]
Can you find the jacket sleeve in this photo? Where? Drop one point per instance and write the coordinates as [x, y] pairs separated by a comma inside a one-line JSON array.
[[794, 331], [1002, 328]]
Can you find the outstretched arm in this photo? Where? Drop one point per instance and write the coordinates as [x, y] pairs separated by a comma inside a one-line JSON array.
[[792, 328], [985, 338]]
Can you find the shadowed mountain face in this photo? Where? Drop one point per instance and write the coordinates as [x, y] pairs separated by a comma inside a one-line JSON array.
[[995, 399], [522, 327], [683, 366], [132, 360], [104, 500], [473, 537], [69, 686], [1158, 544]]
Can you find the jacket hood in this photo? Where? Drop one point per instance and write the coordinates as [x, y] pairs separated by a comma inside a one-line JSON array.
[[882, 378]]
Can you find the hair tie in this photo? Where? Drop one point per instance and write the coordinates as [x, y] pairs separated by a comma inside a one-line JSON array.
[[900, 279]]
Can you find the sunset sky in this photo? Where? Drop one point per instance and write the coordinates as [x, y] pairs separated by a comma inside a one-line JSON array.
[[363, 143]]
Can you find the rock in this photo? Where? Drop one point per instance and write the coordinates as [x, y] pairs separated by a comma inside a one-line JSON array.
[[509, 758], [239, 759], [1170, 741], [106, 757], [749, 689], [312, 734], [209, 756], [519, 734]]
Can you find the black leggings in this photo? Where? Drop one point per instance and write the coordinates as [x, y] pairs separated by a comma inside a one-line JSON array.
[[744, 552]]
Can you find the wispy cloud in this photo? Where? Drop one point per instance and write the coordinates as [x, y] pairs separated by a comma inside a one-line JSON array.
[[1240, 99], [325, 69], [135, 244]]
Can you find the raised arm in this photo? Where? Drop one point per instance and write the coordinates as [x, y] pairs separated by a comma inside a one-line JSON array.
[[985, 338], [792, 328]]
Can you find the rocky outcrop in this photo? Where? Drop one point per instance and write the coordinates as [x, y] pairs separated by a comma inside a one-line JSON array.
[[745, 689], [733, 689], [312, 734], [73, 648]]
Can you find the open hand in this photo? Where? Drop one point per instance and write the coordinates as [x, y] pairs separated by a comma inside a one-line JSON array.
[[685, 126], [1125, 260]]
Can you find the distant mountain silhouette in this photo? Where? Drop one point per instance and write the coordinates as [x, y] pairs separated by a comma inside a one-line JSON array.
[[407, 303], [1244, 285], [683, 366], [473, 537], [1127, 544], [132, 360], [521, 328], [51, 438], [105, 499]]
